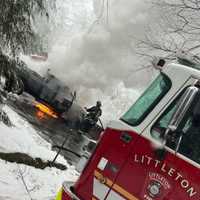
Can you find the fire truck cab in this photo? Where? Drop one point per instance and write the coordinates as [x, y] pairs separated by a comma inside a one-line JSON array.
[[153, 151]]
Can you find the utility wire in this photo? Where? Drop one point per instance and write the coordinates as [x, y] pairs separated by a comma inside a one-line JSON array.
[[107, 14]]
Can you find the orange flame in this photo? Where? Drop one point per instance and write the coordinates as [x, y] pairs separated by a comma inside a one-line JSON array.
[[40, 114], [45, 109]]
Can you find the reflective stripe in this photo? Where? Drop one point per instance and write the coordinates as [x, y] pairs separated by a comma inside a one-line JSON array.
[[100, 177], [59, 195], [107, 182]]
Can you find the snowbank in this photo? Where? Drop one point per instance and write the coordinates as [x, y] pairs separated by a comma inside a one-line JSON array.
[[41, 184]]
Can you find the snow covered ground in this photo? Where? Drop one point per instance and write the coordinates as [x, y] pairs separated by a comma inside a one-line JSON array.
[[40, 184]]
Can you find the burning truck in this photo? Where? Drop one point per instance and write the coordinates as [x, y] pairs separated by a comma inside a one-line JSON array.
[[52, 93], [53, 101]]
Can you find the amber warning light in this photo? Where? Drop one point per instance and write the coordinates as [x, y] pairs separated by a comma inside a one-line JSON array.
[[45, 109]]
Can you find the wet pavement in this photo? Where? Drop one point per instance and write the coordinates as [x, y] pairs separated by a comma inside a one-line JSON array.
[[54, 130]]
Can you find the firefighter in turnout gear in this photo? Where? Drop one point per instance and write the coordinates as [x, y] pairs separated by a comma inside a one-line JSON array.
[[91, 117], [94, 112]]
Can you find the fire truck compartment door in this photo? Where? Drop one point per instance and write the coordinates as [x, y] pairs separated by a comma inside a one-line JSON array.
[[115, 151]]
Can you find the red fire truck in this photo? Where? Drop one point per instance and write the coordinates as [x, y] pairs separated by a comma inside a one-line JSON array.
[[153, 151]]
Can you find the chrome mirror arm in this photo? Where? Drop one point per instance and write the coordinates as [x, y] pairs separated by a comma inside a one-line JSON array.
[[183, 106]]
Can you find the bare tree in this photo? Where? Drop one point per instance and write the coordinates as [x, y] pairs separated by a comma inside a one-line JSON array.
[[177, 28]]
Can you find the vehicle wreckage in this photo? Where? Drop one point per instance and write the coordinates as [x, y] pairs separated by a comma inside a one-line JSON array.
[[52, 96]]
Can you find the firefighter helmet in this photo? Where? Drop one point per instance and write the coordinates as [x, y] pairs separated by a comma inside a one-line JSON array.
[[99, 103]]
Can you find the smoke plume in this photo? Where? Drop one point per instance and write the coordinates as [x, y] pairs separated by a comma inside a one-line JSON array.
[[94, 52]]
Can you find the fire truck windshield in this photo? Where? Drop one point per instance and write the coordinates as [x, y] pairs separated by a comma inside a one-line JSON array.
[[147, 101]]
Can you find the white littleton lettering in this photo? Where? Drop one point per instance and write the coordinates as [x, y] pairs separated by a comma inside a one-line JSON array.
[[156, 163], [163, 169], [148, 160], [191, 192], [178, 176], [184, 184], [142, 159], [136, 158], [169, 171]]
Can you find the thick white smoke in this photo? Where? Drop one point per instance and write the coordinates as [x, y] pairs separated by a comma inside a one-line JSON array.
[[93, 51], [103, 53]]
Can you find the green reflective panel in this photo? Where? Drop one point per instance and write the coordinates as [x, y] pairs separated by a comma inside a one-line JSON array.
[[164, 121], [145, 104]]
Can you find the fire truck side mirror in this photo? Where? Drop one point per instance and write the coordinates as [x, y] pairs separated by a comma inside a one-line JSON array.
[[172, 136], [183, 105], [196, 112]]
